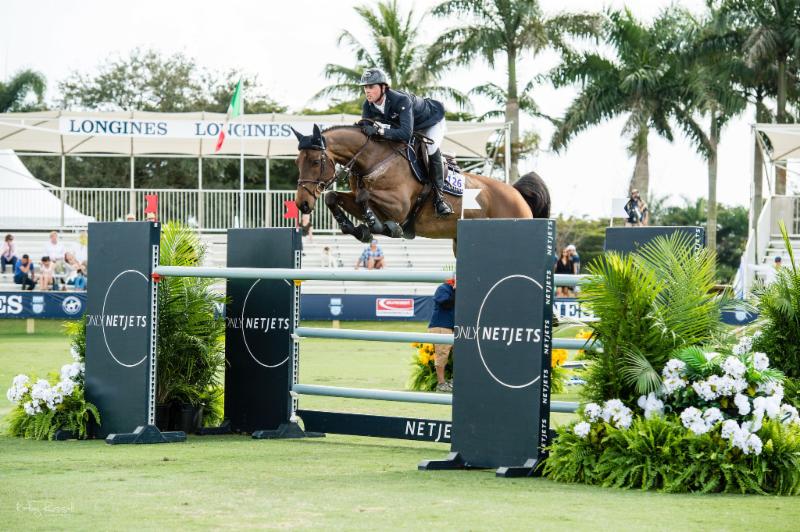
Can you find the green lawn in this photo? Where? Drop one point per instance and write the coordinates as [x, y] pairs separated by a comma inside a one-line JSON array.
[[338, 482]]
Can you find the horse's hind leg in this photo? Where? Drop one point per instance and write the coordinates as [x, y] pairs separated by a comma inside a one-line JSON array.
[[338, 200]]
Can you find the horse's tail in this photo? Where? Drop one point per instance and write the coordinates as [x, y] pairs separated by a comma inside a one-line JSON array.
[[534, 190]]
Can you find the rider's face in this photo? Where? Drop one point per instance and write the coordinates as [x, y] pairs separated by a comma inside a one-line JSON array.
[[373, 93]]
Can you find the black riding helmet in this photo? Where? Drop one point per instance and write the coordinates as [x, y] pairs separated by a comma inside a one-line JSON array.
[[373, 76]]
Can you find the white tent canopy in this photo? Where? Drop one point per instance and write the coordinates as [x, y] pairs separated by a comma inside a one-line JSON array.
[[191, 134], [26, 202], [784, 139]]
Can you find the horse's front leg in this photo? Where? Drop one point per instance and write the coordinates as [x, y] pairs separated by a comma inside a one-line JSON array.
[[336, 201], [387, 227]]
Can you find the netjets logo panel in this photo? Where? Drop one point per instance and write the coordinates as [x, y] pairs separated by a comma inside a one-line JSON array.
[[257, 331], [508, 331], [124, 313]]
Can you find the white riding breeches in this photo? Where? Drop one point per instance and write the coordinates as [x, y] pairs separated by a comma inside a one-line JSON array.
[[436, 134]]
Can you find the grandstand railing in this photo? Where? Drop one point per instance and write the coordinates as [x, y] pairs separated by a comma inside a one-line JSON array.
[[207, 210]]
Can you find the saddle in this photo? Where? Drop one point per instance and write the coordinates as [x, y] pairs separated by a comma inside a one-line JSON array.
[[417, 155]]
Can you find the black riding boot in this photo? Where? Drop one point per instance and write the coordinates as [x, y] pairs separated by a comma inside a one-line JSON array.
[[436, 175]]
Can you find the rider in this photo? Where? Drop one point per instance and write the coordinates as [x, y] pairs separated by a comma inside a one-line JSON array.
[[398, 114]]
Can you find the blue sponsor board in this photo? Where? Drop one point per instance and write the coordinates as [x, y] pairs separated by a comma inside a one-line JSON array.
[[361, 307], [45, 305], [323, 307]]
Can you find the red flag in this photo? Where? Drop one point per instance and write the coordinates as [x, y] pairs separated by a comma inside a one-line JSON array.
[[151, 205], [291, 209]]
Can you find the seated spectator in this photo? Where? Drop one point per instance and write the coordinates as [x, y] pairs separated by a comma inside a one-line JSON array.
[[328, 260], [81, 251], [23, 273], [74, 271], [54, 250], [8, 253], [47, 275], [372, 257]]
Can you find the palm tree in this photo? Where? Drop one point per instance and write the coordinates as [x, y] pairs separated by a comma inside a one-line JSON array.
[[643, 81], [493, 28], [14, 91], [395, 48], [710, 65], [529, 141], [772, 38]]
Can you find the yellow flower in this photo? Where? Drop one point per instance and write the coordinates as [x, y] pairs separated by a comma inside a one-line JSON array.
[[558, 357], [584, 334]]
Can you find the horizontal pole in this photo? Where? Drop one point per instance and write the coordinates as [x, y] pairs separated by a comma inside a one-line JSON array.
[[563, 279], [431, 338], [329, 274], [308, 274], [575, 343], [566, 407], [379, 395], [375, 336]]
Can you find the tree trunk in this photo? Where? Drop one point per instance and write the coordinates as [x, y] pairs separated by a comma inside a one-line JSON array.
[[758, 169], [512, 113], [641, 172], [711, 224], [780, 115]]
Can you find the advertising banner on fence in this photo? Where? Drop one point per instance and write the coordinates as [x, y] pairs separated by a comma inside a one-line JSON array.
[[50, 305]]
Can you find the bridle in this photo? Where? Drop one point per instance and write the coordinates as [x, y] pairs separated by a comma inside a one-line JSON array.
[[322, 184]]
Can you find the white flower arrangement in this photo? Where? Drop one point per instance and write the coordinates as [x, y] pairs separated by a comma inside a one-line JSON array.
[[41, 396], [613, 412], [729, 393], [735, 393]]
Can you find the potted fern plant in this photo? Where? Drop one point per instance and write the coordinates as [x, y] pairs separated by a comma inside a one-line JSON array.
[[191, 345]]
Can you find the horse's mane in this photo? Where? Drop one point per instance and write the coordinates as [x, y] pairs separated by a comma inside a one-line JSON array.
[[343, 126]]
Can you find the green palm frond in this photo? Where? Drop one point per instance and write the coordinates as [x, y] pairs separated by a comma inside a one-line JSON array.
[[639, 372], [697, 365]]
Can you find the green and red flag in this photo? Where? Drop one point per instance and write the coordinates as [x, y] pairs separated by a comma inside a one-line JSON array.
[[235, 109]]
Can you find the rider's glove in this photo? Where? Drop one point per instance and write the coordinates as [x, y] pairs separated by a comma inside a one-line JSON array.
[[370, 130]]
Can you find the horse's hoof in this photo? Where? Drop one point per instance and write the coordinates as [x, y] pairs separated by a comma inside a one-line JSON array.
[[392, 229], [362, 233]]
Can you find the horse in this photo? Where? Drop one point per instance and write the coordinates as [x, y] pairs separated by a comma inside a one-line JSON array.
[[387, 197]]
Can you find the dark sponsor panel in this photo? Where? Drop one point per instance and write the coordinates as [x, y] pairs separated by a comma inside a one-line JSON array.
[[120, 326]]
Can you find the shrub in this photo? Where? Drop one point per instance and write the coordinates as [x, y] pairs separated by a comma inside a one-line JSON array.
[[648, 304], [716, 424], [191, 345]]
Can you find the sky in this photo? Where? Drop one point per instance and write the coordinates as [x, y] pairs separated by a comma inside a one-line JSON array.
[[287, 44]]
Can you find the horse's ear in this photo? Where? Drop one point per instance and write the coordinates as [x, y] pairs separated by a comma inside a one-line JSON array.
[[319, 140], [296, 133]]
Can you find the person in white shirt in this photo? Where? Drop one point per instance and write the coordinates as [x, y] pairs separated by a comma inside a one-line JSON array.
[[55, 250]]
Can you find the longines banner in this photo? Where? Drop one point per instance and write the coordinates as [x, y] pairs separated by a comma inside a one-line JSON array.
[[183, 129], [47, 305]]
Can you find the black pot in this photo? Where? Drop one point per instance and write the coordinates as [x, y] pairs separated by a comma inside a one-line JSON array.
[[163, 417], [188, 420]]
